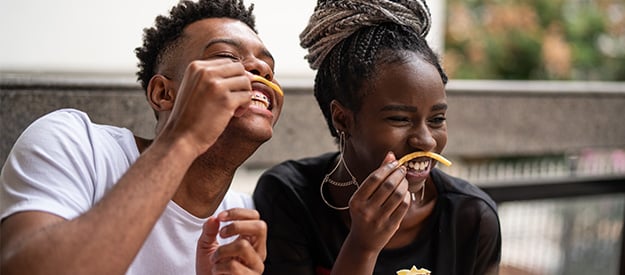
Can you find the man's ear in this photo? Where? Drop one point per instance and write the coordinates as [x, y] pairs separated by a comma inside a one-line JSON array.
[[160, 93], [342, 117]]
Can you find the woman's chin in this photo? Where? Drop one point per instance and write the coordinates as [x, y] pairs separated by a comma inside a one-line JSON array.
[[415, 186]]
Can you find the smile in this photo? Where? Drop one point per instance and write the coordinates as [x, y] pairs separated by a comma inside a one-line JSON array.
[[419, 165], [260, 100]]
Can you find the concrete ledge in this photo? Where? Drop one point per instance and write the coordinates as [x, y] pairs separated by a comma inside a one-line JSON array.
[[491, 118], [486, 118]]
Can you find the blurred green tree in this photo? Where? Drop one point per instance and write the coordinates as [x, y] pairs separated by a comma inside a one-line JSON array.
[[535, 39]]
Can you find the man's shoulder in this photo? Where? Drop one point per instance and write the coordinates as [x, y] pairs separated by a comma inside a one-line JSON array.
[[75, 124], [70, 117], [67, 134], [60, 122], [62, 117]]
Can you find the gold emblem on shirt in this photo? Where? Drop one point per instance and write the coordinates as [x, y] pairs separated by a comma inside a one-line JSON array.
[[414, 271]]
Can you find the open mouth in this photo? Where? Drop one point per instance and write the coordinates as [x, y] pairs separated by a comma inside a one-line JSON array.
[[262, 96], [270, 84], [419, 165], [260, 100]]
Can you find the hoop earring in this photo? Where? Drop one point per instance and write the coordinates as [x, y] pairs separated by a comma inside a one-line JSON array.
[[327, 178]]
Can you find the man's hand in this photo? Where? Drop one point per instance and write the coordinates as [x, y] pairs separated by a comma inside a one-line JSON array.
[[210, 94], [245, 255]]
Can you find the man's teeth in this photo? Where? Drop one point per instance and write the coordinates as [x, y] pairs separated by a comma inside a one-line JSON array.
[[418, 165], [260, 100]]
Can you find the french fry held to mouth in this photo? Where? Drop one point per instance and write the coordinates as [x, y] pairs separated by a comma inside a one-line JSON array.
[[431, 155], [269, 83]]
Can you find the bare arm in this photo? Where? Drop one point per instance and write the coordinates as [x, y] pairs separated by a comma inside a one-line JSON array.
[[105, 239]]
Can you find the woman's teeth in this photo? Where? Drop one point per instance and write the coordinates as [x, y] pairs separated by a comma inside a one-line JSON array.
[[261, 100], [420, 166]]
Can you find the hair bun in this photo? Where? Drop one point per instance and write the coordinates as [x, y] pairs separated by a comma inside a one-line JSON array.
[[334, 20]]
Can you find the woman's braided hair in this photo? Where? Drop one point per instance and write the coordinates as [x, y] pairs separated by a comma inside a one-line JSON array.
[[161, 38], [347, 40]]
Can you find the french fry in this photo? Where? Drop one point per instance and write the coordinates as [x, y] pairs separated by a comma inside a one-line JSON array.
[[431, 155], [269, 83]]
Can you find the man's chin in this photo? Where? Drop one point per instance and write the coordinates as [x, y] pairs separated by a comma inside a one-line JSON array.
[[237, 144], [248, 132]]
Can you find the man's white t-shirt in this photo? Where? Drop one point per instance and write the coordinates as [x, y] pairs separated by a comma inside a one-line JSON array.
[[63, 164]]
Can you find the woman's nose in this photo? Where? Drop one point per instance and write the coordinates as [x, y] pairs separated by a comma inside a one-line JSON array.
[[421, 139]]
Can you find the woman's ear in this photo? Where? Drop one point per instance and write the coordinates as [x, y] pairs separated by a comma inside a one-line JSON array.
[[160, 93], [342, 117]]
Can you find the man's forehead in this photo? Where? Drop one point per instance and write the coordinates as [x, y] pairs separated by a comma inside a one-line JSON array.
[[226, 27]]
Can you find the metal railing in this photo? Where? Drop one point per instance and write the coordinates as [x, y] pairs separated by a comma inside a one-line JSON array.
[[561, 214]]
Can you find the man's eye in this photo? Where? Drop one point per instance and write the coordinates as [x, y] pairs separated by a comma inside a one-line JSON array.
[[232, 57]]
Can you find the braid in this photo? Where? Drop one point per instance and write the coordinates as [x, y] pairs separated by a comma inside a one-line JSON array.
[[333, 21], [348, 39], [159, 40]]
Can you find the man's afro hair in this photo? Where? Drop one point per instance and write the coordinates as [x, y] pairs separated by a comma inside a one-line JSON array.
[[168, 29]]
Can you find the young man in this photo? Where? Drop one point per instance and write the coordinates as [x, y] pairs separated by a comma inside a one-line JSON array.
[[94, 199]]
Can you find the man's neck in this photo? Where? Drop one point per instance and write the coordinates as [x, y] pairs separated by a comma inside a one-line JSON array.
[[208, 179], [203, 188]]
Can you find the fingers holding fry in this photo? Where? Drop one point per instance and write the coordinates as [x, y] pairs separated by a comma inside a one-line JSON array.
[[373, 181]]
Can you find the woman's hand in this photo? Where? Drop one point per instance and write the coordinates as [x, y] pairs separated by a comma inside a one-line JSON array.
[[378, 206], [245, 255]]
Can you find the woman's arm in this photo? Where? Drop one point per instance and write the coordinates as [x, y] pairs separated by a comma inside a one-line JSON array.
[[376, 210]]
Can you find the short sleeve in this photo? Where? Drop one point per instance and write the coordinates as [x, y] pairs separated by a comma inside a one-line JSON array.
[[489, 250], [50, 168]]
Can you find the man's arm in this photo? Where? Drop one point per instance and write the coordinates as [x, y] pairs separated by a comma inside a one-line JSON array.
[[105, 239]]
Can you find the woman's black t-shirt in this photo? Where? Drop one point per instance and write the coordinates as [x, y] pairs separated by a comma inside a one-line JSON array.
[[461, 236]]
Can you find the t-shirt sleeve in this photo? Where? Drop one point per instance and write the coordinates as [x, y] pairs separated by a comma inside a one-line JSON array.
[[50, 168], [489, 250], [287, 234]]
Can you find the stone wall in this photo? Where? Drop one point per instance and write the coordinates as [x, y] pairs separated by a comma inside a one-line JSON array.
[[485, 119]]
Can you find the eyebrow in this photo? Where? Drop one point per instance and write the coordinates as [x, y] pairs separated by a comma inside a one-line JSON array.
[[235, 44], [406, 108]]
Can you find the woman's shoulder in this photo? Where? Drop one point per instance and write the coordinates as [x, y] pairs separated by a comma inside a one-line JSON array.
[[292, 178], [468, 205], [299, 171], [459, 189]]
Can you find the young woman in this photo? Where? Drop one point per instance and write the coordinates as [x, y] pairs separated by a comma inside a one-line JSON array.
[[381, 89]]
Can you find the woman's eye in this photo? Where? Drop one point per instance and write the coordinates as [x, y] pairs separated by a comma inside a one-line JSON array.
[[438, 120], [398, 119]]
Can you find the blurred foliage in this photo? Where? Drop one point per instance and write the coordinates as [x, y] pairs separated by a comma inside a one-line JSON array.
[[535, 39]]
